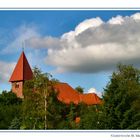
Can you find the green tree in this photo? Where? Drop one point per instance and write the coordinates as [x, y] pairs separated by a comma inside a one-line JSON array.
[[15, 123], [79, 89], [88, 117], [10, 107], [41, 108], [121, 100]]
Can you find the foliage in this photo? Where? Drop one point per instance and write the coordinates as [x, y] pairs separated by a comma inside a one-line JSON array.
[[41, 109], [15, 123], [121, 100], [88, 117], [79, 89], [10, 107]]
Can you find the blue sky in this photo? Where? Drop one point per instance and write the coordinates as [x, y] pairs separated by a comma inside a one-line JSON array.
[[57, 37]]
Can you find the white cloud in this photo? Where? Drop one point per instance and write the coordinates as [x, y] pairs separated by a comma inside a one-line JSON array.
[[90, 49], [88, 23], [93, 46], [93, 90], [136, 16], [21, 34], [43, 42], [6, 71], [116, 20]]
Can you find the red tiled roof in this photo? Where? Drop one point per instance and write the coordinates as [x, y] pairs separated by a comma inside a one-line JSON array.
[[67, 95], [90, 99], [22, 70]]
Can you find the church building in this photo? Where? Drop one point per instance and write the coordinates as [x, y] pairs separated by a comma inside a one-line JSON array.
[[66, 93], [21, 73]]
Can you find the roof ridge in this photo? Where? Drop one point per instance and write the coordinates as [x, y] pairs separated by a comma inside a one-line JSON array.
[[23, 65]]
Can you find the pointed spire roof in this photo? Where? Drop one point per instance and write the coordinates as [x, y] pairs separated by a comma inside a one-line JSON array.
[[22, 70]]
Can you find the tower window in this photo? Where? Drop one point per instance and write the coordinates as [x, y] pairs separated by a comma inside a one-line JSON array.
[[16, 85]]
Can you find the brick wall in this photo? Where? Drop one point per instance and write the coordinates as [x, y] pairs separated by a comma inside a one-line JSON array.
[[17, 88]]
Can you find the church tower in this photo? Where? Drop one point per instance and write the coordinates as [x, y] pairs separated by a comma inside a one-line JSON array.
[[21, 73]]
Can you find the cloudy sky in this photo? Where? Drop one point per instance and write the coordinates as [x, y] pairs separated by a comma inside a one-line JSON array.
[[77, 47]]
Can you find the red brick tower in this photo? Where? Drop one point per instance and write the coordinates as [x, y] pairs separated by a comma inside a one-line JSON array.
[[21, 73]]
